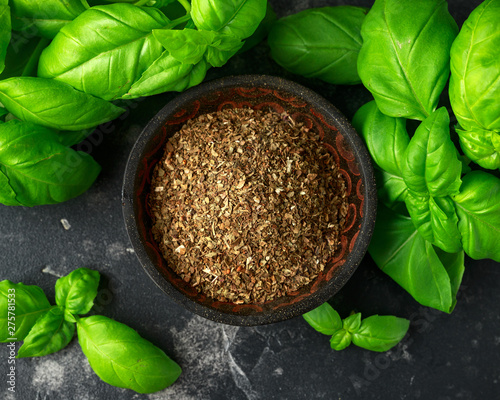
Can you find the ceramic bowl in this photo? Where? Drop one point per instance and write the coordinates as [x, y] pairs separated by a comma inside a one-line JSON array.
[[257, 92]]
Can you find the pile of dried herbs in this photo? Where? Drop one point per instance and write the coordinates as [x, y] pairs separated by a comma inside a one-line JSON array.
[[247, 205]]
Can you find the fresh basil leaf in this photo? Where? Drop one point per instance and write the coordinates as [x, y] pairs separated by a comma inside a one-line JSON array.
[[5, 31], [436, 220], [302, 43], [22, 56], [70, 138], [46, 17], [38, 168], [262, 30], [238, 18], [340, 340], [51, 333], [167, 74], [475, 69], [352, 323], [54, 104], [20, 307], [3, 113], [222, 48], [105, 49], [324, 319], [391, 189], [404, 59], [455, 267], [478, 209], [479, 146], [380, 332], [402, 253], [122, 358], [76, 291], [431, 159]]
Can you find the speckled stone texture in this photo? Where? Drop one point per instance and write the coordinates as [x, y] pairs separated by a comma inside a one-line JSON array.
[[443, 357]]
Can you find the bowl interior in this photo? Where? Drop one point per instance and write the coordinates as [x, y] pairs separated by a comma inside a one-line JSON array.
[[257, 92]]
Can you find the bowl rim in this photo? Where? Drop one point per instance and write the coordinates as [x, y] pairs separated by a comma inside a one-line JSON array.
[[357, 147]]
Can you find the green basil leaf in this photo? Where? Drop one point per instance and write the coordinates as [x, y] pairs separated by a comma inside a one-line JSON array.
[[455, 267], [436, 220], [475, 69], [3, 113], [105, 49], [22, 56], [391, 189], [478, 209], [320, 43], [222, 48], [20, 307], [238, 18], [55, 104], [122, 358], [324, 319], [5, 31], [167, 74], [70, 138], [51, 333], [340, 340], [386, 137], [479, 146], [380, 332], [402, 253], [404, 60], [352, 323], [46, 17], [76, 291], [38, 168], [431, 159], [262, 30]]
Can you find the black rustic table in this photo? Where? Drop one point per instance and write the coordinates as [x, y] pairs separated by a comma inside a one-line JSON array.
[[443, 357]]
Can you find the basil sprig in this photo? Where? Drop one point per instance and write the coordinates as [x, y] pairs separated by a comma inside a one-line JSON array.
[[116, 352], [376, 333]]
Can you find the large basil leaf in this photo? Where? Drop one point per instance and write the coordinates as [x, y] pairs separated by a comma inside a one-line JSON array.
[[39, 169], [238, 18], [479, 146], [436, 220], [320, 43], [76, 291], [5, 31], [404, 60], [51, 333], [324, 319], [54, 104], [478, 209], [167, 74], [105, 49], [122, 358], [22, 56], [431, 159], [47, 17], [475, 69], [401, 252], [28, 303], [380, 332]]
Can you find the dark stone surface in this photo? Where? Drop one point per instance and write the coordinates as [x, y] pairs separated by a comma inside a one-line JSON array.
[[443, 356]]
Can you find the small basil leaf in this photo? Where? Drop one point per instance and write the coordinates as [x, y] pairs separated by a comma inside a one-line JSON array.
[[262, 30], [455, 267], [122, 358], [475, 70], [478, 210], [22, 56], [51, 333], [340, 340], [238, 18], [54, 104], [104, 62], [20, 307], [5, 31], [479, 146], [404, 60], [40, 170], [352, 322], [431, 160], [324, 319], [76, 291], [380, 332], [302, 43]]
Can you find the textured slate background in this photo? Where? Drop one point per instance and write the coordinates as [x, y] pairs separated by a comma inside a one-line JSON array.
[[443, 356]]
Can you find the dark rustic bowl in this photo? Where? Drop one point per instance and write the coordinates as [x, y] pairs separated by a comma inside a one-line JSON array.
[[255, 91]]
